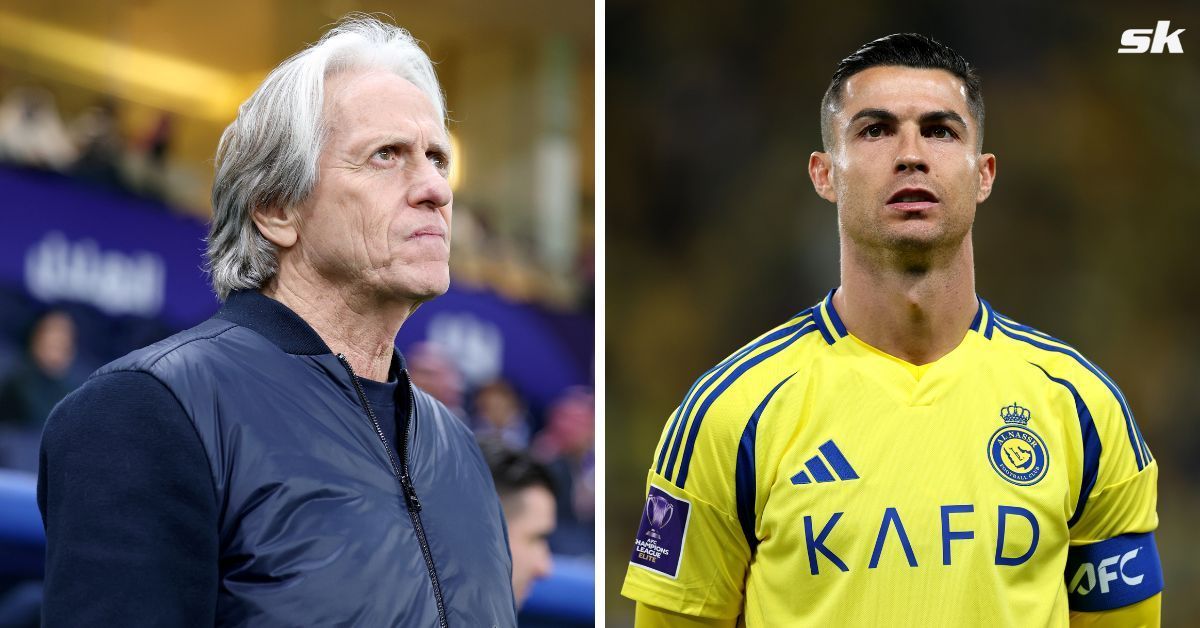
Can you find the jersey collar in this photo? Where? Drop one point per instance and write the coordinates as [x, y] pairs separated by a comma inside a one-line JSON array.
[[826, 318], [985, 319]]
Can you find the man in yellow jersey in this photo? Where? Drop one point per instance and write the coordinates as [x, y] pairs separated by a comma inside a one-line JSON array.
[[901, 453]]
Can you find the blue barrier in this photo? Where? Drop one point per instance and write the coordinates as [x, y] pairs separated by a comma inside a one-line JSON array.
[[568, 594], [22, 540]]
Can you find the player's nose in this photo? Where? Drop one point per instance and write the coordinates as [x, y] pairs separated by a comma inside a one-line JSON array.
[[910, 153]]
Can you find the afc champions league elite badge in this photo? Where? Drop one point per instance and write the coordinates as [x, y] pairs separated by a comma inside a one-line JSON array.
[[660, 537], [1015, 451]]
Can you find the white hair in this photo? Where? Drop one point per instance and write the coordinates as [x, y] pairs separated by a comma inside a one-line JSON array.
[[267, 157]]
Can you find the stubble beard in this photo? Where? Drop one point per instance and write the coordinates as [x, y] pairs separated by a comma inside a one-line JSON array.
[[899, 247]]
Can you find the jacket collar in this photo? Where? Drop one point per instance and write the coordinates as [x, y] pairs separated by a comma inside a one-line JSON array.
[[279, 324], [272, 320]]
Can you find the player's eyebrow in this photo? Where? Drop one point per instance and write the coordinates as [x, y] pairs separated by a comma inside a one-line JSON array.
[[942, 116], [883, 115]]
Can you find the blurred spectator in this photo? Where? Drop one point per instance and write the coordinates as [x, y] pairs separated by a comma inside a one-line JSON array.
[[527, 495], [434, 372], [31, 131], [29, 394], [94, 149], [158, 143], [566, 446], [102, 148], [149, 169], [500, 415]]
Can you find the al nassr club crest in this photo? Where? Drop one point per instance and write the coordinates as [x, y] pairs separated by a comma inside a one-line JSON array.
[[1016, 452]]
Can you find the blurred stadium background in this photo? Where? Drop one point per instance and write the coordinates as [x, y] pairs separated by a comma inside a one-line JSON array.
[[714, 234], [110, 114]]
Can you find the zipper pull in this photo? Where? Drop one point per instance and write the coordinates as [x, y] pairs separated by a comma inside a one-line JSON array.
[[410, 493]]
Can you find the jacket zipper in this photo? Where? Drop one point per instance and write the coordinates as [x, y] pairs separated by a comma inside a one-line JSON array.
[[401, 473]]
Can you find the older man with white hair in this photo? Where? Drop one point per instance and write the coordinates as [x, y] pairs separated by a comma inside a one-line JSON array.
[[274, 466]]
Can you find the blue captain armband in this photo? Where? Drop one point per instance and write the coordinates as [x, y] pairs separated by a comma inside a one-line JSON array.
[[1113, 573]]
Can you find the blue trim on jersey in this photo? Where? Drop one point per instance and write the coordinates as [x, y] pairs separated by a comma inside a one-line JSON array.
[[838, 326], [983, 317], [841, 466], [716, 392], [1112, 386], [1145, 448], [990, 328], [1091, 446], [675, 432], [1011, 330], [662, 453], [820, 321], [745, 476]]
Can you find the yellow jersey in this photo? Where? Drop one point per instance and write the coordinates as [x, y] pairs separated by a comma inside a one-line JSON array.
[[810, 479]]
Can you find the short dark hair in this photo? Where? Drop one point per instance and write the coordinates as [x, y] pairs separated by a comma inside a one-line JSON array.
[[513, 471], [910, 50]]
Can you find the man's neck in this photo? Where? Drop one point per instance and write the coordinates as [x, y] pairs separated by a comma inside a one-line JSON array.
[[360, 327], [917, 310]]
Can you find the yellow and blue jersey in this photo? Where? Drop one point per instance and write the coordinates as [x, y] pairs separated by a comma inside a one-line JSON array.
[[810, 479]]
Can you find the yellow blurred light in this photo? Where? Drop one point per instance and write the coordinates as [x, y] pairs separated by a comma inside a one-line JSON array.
[[456, 162], [152, 78]]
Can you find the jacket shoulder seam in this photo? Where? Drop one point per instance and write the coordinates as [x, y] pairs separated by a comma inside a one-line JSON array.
[[183, 344], [190, 419]]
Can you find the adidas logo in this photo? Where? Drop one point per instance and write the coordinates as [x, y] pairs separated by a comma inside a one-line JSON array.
[[819, 471]]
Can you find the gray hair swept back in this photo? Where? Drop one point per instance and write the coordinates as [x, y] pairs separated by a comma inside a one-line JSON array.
[[267, 157]]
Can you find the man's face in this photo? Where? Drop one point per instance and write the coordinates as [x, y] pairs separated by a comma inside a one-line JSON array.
[[53, 344], [528, 530], [904, 168], [378, 220]]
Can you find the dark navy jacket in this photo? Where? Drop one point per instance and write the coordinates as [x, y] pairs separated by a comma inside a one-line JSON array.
[[232, 474]]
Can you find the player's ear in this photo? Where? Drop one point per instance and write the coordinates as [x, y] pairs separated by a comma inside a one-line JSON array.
[[820, 170], [277, 225], [987, 176]]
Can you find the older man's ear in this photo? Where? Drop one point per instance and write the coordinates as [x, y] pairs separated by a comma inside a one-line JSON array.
[[276, 224]]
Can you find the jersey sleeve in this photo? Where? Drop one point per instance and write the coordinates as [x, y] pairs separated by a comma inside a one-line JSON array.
[[1113, 560], [690, 555], [1144, 614], [653, 617], [694, 541]]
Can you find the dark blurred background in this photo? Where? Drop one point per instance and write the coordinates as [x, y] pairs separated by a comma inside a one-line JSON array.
[[110, 114], [714, 234]]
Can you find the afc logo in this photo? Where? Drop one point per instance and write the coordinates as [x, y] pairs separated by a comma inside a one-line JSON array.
[[1087, 576], [1139, 40]]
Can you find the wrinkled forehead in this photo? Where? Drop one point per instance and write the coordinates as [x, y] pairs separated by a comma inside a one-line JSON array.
[[904, 91], [377, 100]]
